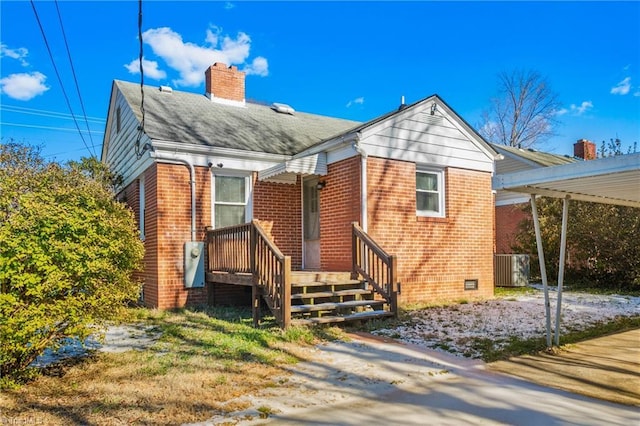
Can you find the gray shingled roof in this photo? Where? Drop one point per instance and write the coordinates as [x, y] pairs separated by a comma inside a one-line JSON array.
[[194, 119], [544, 159]]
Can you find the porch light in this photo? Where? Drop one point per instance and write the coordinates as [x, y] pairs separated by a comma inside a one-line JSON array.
[[321, 185]]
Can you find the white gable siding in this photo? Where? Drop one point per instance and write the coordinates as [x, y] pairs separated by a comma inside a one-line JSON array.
[[120, 152], [426, 139], [505, 198]]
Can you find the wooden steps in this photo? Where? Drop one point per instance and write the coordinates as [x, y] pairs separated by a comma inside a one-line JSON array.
[[332, 297], [324, 294], [358, 316], [329, 306]]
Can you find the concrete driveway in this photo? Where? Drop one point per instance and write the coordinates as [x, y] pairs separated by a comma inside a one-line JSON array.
[[377, 381]]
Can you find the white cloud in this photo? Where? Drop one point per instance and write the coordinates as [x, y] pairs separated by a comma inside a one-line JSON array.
[[582, 108], [576, 110], [213, 34], [19, 54], [150, 68], [622, 88], [23, 86], [356, 101], [191, 60], [228, 5], [259, 66]]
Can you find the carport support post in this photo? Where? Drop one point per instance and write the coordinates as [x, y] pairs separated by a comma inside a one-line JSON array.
[[543, 268], [563, 252]]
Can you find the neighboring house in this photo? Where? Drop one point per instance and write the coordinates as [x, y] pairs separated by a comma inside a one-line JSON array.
[[509, 213], [417, 180]]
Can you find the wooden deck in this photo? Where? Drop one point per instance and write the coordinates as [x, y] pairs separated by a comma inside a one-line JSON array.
[[243, 255]]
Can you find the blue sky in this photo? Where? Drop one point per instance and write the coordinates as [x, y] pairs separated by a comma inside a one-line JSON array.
[[350, 60]]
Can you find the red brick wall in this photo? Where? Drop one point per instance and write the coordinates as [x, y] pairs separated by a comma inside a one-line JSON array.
[[278, 207], [435, 255], [167, 228], [508, 219], [225, 82], [584, 149], [339, 207]]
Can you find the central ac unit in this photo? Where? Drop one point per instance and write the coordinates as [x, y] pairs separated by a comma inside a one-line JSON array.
[[511, 270]]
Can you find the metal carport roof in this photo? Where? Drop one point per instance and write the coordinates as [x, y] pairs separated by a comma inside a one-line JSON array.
[[611, 180]]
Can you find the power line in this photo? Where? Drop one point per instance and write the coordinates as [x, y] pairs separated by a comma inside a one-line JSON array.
[[139, 151], [35, 126], [73, 71], [45, 113], [33, 6], [66, 152]]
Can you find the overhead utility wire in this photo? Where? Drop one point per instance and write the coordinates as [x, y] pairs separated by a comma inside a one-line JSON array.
[[138, 151], [59, 79], [73, 71], [45, 113], [35, 126]]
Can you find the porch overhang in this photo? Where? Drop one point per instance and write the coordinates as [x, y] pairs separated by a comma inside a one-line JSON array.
[[611, 180], [288, 171]]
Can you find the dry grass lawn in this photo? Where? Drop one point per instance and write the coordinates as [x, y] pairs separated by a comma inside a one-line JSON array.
[[202, 361]]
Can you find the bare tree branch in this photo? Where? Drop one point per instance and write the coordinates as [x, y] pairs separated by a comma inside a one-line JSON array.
[[524, 112]]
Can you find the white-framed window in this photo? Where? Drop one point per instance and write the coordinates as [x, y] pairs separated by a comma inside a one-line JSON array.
[[142, 206], [430, 193], [230, 197]]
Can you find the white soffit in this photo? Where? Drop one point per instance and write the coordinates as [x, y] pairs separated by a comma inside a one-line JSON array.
[[288, 171], [611, 180]]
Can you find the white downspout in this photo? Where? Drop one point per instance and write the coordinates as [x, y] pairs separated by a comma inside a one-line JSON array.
[[192, 183], [363, 183]]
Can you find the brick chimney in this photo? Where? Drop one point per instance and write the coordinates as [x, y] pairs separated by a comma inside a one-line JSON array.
[[225, 84], [584, 149]]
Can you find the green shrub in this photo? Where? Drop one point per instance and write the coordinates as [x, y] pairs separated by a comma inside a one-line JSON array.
[[67, 253]]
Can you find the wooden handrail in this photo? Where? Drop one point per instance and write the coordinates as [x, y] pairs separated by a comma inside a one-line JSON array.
[[272, 274], [248, 249], [375, 265], [229, 249]]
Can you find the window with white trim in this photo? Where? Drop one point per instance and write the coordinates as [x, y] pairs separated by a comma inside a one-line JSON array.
[[430, 193], [230, 205]]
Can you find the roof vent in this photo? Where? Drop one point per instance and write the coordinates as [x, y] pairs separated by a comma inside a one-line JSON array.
[[166, 89], [282, 108], [531, 150]]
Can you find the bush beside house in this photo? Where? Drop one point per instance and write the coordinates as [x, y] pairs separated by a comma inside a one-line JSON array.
[[67, 252]]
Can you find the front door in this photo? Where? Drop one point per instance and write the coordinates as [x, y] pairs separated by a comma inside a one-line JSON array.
[[311, 223]]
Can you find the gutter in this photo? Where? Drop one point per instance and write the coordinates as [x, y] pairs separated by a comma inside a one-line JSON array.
[[173, 159]]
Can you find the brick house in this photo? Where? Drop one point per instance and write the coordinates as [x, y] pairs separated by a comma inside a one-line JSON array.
[[417, 180], [508, 211]]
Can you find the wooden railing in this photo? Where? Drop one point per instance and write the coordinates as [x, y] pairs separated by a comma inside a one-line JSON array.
[[272, 274], [229, 249], [247, 249], [377, 267]]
